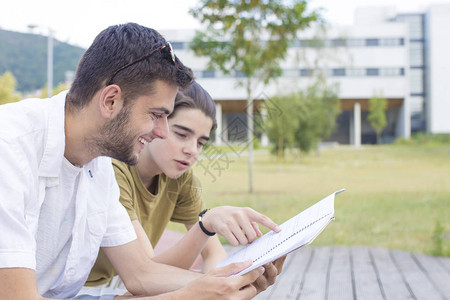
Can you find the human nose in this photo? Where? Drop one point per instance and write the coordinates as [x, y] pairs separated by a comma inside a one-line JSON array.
[[191, 148], [161, 128]]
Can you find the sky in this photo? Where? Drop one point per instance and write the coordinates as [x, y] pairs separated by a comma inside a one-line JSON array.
[[78, 22]]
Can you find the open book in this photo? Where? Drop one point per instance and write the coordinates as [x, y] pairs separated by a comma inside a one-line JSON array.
[[295, 233]]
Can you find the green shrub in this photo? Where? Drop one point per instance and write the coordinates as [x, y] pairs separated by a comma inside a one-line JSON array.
[[422, 138], [437, 247]]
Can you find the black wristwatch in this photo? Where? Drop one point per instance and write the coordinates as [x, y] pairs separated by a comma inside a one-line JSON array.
[[200, 215]]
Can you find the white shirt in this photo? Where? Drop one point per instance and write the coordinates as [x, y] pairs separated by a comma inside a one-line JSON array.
[[53, 216]]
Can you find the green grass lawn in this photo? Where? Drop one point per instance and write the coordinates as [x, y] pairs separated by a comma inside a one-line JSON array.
[[395, 194]]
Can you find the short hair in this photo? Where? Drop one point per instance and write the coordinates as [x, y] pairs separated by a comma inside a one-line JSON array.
[[196, 97], [117, 46]]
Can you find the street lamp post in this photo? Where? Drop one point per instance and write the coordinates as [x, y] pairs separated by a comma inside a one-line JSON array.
[[49, 59], [50, 63]]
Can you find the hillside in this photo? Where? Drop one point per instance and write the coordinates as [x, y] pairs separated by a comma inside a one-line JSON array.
[[25, 56]]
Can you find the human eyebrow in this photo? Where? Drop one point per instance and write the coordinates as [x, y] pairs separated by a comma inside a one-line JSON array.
[[183, 128]]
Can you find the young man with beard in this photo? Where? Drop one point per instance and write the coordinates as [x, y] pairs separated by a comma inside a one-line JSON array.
[[58, 195]]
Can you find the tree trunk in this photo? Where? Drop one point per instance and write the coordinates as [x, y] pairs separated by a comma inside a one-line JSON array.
[[250, 136], [280, 148], [378, 138]]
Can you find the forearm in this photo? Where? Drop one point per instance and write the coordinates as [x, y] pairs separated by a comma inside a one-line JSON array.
[[159, 279], [212, 254], [143, 276], [19, 284], [175, 295], [217, 285], [184, 253]]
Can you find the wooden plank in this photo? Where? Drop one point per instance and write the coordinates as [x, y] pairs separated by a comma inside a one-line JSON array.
[[417, 281], [391, 281], [290, 280], [366, 282], [314, 284], [339, 275], [436, 272]]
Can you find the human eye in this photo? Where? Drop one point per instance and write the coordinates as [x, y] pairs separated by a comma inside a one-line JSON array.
[[181, 135], [157, 115], [201, 144]]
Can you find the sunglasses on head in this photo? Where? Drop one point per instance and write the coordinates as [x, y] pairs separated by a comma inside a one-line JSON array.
[[166, 45]]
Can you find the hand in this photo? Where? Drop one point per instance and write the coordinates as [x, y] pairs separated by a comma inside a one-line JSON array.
[[217, 285], [271, 271], [239, 225]]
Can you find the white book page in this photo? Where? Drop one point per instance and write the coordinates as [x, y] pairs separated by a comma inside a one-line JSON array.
[[295, 233]]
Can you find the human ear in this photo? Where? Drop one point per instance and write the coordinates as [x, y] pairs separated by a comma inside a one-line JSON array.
[[110, 101]]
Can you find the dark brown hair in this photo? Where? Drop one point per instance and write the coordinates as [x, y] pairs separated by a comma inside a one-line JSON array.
[[196, 97], [117, 46]]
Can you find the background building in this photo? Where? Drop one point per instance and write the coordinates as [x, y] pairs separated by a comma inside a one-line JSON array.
[[403, 57]]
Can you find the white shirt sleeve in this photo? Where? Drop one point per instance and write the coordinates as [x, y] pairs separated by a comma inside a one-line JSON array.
[[18, 207]]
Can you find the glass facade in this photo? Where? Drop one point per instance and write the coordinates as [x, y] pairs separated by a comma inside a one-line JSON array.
[[416, 25]]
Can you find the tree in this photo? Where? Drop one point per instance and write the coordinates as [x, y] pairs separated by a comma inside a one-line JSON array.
[[307, 117], [281, 128], [322, 106], [25, 55], [56, 90], [8, 88], [377, 114], [251, 37]]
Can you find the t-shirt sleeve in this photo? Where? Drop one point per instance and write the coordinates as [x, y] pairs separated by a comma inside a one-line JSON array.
[[189, 202], [18, 208], [125, 180], [120, 230]]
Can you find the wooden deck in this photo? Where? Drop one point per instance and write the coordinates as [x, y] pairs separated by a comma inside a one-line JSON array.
[[345, 273], [360, 273]]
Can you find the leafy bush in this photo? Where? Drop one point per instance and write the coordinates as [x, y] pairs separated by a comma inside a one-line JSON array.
[[439, 242], [422, 138]]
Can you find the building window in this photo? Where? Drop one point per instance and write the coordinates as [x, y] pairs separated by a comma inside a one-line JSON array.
[[372, 72], [338, 72], [177, 45], [391, 72], [416, 81], [355, 72], [416, 54], [197, 73], [208, 74], [415, 24], [239, 74], [372, 42], [290, 72], [305, 72], [296, 43], [391, 42], [338, 42], [355, 42]]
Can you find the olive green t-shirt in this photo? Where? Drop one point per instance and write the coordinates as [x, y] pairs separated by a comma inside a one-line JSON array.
[[176, 200]]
